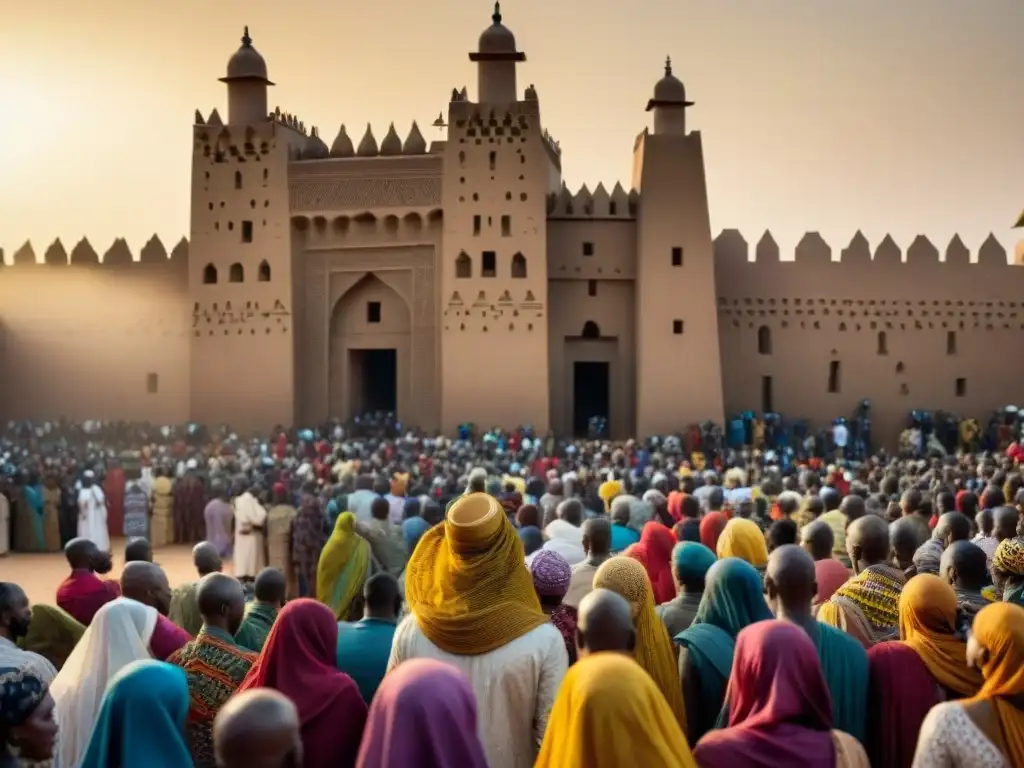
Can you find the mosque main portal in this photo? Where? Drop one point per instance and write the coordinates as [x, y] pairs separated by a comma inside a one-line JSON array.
[[591, 395], [373, 380]]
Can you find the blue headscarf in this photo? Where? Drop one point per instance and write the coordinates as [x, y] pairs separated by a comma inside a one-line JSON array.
[[413, 529], [691, 561], [142, 719], [531, 537]]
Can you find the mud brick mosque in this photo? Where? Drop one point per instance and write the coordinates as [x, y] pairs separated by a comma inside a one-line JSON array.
[[453, 281]]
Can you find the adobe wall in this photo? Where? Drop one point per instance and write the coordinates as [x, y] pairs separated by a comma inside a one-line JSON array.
[[96, 339], [951, 329]]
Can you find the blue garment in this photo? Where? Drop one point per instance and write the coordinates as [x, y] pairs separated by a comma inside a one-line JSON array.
[[332, 512], [413, 530], [622, 537], [34, 499], [363, 650], [142, 720]]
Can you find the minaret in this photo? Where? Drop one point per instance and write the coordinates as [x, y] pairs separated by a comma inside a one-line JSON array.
[[247, 85], [496, 58], [669, 104]]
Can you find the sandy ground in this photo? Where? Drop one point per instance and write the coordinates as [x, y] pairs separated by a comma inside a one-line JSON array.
[[40, 575]]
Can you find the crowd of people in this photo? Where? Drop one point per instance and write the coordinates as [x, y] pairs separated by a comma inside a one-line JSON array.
[[508, 600]]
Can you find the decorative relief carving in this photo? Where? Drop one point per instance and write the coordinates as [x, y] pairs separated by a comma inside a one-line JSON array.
[[250, 317], [364, 193]]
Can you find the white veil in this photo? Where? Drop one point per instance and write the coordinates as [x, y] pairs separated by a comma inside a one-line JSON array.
[[118, 635]]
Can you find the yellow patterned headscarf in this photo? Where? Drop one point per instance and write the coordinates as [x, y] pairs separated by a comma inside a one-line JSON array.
[[1009, 556], [343, 567], [467, 582], [743, 539], [609, 713], [654, 651]]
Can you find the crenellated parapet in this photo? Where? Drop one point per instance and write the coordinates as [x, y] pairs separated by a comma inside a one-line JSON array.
[[598, 204], [118, 255], [343, 147]]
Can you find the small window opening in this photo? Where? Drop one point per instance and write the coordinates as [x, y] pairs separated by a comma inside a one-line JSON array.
[[238, 179], [519, 266], [373, 311], [766, 395], [961, 387], [591, 287], [463, 266], [677, 256], [506, 226], [590, 330], [210, 275], [677, 327], [489, 266], [764, 340], [950, 342], [883, 343], [588, 249], [492, 159], [264, 273], [246, 231], [152, 383], [476, 225], [833, 377], [237, 273]]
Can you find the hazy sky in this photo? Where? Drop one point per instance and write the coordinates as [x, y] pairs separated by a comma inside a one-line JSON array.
[[831, 115]]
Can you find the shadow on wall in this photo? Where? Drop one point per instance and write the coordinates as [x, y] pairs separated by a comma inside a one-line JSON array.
[[90, 338]]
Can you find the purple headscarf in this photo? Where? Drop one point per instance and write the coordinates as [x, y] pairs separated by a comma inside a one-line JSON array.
[[551, 573], [423, 714], [780, 711]]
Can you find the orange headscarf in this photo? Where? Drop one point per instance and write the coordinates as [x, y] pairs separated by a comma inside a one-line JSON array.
[[999, 628], [711, 526], [928, 624]]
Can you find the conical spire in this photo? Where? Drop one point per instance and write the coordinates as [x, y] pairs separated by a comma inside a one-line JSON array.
[[368, 144], [392, 145], [342, 146], [415, 144]]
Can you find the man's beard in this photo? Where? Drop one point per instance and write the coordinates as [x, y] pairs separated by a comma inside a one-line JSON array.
[[19, 627]]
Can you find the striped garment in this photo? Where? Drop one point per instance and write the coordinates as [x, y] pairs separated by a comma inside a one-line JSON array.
[[876, 591], [215, 666]]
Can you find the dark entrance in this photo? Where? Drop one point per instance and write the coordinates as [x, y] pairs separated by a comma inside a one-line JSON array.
[[374, 378], [590, 396]]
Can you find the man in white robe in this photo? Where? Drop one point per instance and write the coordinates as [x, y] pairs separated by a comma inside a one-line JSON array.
[[92, 513], [250, 519]]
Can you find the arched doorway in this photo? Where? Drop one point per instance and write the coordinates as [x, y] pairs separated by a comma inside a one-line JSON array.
[[370, 350]]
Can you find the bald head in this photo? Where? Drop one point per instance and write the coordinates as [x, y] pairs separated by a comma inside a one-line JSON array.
[[605, 623], [867, 542], [257, 729], [221, 602], [270, 587], [790, 581], [905, 536], [620, 510], [597, 536], [146, 583], [853, 507], [952, 526], [206, 558], [1004, 523], [83, 554], [817, 538], [964, 564], [570, 510], [138, 549]]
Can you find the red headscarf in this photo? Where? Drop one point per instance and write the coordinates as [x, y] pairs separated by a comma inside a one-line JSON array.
[[654, 553], [675, 505], [299, 660], [780, 710], [903, 691], [711, 528]]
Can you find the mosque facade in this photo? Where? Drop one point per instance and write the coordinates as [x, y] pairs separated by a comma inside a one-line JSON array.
[[460, 280]]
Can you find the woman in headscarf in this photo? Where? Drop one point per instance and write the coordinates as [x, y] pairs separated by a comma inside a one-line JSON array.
[[733, 599], [52, 633], [654, 651], [532, 540], [422, 716], [901, 692], [674, 505], [928, 621], [343, 568], [780, 712], [1008, 571], [988, 729], [551, 575], [413, 529], [142, 720], [654, 553], [119, 635], [473, 606], [609, 713], [711, 527], [690, 564], [566, 539], [28, 729], [743, 539], [308, 539], [299, 660]]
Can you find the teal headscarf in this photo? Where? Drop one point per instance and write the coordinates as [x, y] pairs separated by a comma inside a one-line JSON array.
[[692, 560], [142, 720], [732, 600]]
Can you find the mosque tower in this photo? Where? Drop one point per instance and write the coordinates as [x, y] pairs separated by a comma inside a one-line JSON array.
[[676, 315], [240, 270], [247, 85], [493, 257]]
